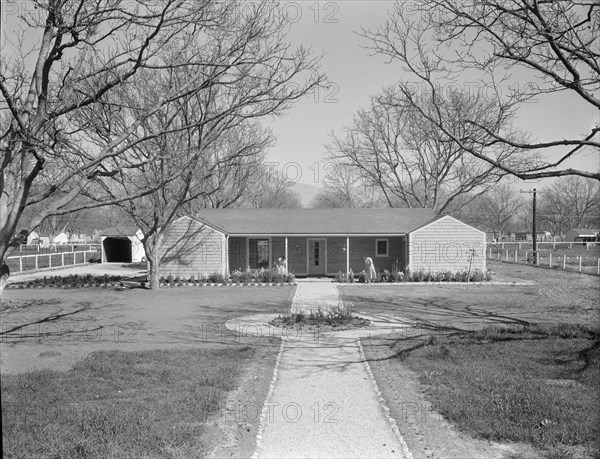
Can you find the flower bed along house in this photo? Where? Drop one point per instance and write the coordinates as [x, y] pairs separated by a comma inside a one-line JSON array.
[[387, 276]]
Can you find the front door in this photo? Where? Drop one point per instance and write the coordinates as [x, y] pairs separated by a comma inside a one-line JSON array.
[[316, 257]]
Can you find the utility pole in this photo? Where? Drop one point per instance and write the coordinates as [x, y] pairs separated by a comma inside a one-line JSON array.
[[533, 229]]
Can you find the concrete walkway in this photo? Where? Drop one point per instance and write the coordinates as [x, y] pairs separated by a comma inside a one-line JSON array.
[[324, 401]]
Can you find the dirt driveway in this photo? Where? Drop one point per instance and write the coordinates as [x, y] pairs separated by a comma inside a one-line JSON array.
[[53, 328]]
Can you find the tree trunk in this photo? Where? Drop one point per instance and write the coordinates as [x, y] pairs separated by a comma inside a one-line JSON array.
[[4, 271], [3, 279], [153, 271]]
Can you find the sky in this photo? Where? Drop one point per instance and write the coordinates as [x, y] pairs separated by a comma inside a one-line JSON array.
[[329, 27]]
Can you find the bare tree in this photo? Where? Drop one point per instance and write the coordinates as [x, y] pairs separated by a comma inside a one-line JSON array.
[[412, 163], [448, 43], [186, 170], [345, 187], [498, 208], [571, 202], [68, 115], [270, 188]]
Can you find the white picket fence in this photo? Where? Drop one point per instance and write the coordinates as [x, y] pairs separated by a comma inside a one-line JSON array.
[[36, 262], [556, 261], [544, 245]]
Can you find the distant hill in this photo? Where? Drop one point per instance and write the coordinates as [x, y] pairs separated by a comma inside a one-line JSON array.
[[306, 192]]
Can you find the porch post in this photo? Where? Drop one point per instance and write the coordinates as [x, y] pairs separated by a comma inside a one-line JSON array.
[[347, 255], [286, 250], [226, 251]]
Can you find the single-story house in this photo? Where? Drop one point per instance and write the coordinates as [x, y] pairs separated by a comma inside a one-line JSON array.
[[319, 242], [122, 245], [581, 235], [33, 238], [45, 239], [525, 236], [60, 238], [79, 238]]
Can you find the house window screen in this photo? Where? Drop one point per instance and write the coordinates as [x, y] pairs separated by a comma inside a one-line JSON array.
[[258, 253], [381, 247]]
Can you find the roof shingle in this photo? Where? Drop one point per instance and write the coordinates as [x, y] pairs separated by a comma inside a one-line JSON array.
[[242, 221]]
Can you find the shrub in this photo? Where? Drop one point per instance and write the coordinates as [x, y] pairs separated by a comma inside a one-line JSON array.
[[192, 279], [340, 277], [264, 276], [236, 276], [351, 276], [488, 275], [386, 275], [96, 257], [477, 276], [362, 277], [216, 278]]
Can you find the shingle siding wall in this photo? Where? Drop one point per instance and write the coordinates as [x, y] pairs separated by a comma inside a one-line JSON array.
[[445, 245], [190, 249]]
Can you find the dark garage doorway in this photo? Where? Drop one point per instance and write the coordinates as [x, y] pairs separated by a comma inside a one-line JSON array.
[[117, 250]]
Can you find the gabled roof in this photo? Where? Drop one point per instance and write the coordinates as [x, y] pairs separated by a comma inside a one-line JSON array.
[[441, 217], [241, 221], [119, 231], [584, 231]]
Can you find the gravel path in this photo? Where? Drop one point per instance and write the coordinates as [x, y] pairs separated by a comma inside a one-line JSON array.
[[324, 401]]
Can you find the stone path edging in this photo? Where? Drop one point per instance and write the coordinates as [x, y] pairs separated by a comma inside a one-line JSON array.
[[320, 368], [265, 409], [382, 403]]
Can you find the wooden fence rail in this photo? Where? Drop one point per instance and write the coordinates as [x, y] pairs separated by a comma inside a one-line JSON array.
[[35, 262], [521, 245], [572, 262]]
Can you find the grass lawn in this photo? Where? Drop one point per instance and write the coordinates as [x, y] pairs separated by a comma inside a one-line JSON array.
[[144, 387], [535, 385], [502, 363], [555, 297], [120, 404], [53, 328]]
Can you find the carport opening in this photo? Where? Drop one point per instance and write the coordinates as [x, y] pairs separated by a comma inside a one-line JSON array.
[[117, 249]]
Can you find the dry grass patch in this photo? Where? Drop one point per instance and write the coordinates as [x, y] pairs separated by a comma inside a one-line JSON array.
[[534, 384], [120, 404]]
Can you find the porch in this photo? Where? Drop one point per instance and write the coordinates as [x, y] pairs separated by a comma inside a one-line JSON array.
[[315, 255]]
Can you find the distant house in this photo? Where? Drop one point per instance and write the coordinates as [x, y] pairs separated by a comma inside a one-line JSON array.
[[581, 235], [525, 236], [79, 238], [60, 238], [520, 236], [45, 239], [319, 242], [122, 244], [33, 238]]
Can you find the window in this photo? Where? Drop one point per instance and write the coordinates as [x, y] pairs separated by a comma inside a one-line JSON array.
[[258, 253], [381, 247], [316, 253]]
